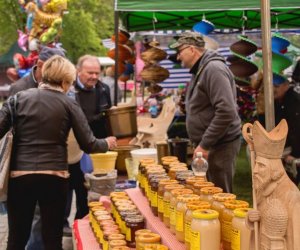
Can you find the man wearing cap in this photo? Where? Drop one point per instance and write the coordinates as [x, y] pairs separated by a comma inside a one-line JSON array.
[[32, 80], [212, 120], [287, 106]]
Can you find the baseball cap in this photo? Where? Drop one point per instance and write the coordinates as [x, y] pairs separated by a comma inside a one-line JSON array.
[[189, 38], [47, 52]]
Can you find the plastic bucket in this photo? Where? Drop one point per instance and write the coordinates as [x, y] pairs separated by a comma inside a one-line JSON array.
[[123, 153], [139, 154], [178, 147], [104, 162]]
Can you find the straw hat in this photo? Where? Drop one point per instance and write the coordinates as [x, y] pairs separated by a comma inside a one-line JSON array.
[[154, 74]]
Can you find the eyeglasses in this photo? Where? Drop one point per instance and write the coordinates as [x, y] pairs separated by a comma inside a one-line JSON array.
[[180, 50]]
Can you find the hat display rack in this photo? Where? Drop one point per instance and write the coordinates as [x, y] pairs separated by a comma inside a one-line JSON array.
[[205, 27], [279, 61], [152, 72], [240, 64]]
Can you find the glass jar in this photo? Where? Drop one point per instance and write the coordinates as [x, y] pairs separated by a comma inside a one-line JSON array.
[[123, 215], [105, 235], [166, 199], [174, 169], [146, 239], [116, 243], [121, 209], [183, 175], [191, 180], [133, 223], [205, 230], [152, 172], [198, 185], [160, 196], [226, 220], [241, 234], [206, 193], [173, 202], [154, 193], [180, 212], [218, 201], [167, 160], [114, 200], [192, 206], [141, 173], [137, 234]]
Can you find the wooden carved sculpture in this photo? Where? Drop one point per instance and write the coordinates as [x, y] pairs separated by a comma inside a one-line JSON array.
[[276, 199]]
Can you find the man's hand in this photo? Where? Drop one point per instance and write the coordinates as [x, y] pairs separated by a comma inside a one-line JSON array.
[[111, 142], [200, 149]]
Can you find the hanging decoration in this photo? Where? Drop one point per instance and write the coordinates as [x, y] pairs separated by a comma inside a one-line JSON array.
[[205, 27], [43, 27]]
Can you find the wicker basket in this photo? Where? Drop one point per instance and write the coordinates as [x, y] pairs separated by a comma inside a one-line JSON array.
[[125, 53], [154, 74]]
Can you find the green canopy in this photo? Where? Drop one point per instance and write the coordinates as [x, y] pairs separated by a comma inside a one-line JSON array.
[[138, 15]]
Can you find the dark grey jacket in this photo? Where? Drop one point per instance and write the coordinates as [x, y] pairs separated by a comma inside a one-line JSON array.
[[212, 113], [42, 124]]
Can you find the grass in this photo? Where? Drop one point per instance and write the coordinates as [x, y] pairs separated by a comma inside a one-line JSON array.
[[242, 184]]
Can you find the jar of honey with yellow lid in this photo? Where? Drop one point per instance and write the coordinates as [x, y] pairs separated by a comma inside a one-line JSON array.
[[182, 176], [226, 220], [147, 239], [173, 202], [241, 234], [198, 185], [205, 230], [133, 223], [192, 206], [150, 173], [176, 169], [166, 199], [191, 180], [206, 193], [142, 170], [181, 208], [167, 160], [160, 196], [137, 234], [116, 243], [154, 192], [219, 199], [155, 247]]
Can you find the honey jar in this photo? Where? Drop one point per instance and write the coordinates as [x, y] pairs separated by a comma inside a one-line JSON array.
[[133, 223], [198, 185], [206, 193], [147, 239]]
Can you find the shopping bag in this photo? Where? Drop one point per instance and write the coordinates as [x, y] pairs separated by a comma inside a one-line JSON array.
[[86, 164], [6, 144]]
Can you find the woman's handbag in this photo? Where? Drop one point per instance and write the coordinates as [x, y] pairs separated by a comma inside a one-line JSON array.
[[6, 144]]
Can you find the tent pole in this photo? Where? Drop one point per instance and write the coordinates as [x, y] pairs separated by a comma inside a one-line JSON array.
[[267, 64], [116, 16]]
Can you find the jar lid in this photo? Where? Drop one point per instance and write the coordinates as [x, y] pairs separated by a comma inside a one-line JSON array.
[[104, 217], [211, 190], [118, 194], [154, 165], [202, 184], [123, 202], [115, 199], [149, 238], [97, 208], [121, 248], [110, 227], [142, 231], [233, 204], [178, 164], [188, 197], [241, 212], [134, 218], [129, 212], [224, 197], [114, 243], [116, 237], [194, 205], [107, 232], [206, 214], [169, 158], [177, 192], [177, 168], [101, 212], [94, 204], [156, 171], [193, 179], [173, 186], [167, 182], [107, 222], [155, 246], [146, 161], [126, 207]]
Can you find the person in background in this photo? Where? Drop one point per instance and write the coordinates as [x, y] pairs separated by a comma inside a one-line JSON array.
[[212, 119], [39, 168], [287, 106], [31, 81], [110, 81], [92, 95]]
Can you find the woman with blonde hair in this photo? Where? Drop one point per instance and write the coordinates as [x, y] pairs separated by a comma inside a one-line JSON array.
[[39, 168]]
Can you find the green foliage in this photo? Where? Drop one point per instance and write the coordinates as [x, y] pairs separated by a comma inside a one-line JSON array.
[[11, 19], [84, 27]]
